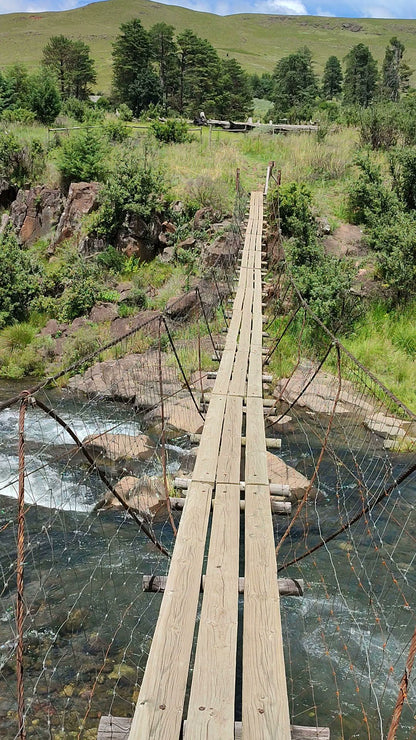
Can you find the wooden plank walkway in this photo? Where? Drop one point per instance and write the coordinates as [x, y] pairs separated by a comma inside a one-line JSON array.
[[160, 709]]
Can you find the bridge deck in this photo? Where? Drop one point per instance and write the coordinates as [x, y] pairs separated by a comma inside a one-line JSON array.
[[211, 713]]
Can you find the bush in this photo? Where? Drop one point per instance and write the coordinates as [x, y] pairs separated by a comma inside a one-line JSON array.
[[19, 115], [136, 187], [369, 199], [84, 343], [116, 131], [403, 170], [396, 243], [112, 260], [379, 126], [171, 131], [20, 280], [82, 157], [21, 165], [204, 192], [79, 298], [125, 113], [136, 298]]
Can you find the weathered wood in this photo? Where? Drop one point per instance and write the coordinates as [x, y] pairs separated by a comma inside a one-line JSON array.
[[287, 586], [276, 489], [159, 707], [277, 507], [273, 443], [117, 728]]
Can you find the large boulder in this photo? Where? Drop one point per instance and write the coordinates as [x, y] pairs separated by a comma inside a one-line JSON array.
[[36, 212], [144, 495], [222, 250], [182, 305], [82, 199], [117, 447], [139, 238], [280, 472]]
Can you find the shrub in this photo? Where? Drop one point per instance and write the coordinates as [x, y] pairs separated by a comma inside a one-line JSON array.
[[369, 199], [396, 243], [379, 126], [79, 298], [171, 131], [125, 113], [403, 170], [20, 280], [78, 347], [116, 131], [137, 187], [19, 115], [112, 260], [21, 165], [136, 298], [82, 157]]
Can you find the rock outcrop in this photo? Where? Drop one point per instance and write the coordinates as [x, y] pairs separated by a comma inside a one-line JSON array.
[[36, 212], [82, 199]]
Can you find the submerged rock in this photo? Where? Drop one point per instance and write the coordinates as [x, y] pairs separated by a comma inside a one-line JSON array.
[[119, 446], [144, 495], [280, 472]]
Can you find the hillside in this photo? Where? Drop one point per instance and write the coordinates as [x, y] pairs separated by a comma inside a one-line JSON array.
[[257, 41]]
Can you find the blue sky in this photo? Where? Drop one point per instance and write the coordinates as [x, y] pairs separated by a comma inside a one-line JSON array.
[[343, 8]]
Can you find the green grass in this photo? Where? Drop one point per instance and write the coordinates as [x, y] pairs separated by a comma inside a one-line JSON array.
[[385, 342], [257, 41]]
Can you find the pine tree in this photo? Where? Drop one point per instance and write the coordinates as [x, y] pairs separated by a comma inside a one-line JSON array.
[[70, 63], [332, 78], [236, 98], [134, 81], [360, 80], [295, 85], [395, 73], [44, 98], [199, 75], [165, 54]]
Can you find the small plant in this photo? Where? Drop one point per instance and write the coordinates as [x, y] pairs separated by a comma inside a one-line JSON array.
[[171, 131], [116, 131], [77, 348], [136, 298], [125, 113], [112, 260], [82, 157]]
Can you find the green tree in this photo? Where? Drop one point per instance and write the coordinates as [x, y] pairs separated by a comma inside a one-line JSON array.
[[70, 63], [165, 54], [82, 157], [199, 74], [134, 81], [332, 78], [395, 72], [295, 85], [44, 98], [360, 80], [236, 98], [262, 87]]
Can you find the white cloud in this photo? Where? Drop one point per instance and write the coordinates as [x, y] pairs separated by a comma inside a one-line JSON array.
[[281, 7], [42, 6]]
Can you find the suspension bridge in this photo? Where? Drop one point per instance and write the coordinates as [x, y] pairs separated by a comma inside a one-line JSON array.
[[235, 411], [237, 651]]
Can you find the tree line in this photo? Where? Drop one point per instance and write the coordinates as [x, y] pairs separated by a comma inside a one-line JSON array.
[[182, 74], [295, 89]]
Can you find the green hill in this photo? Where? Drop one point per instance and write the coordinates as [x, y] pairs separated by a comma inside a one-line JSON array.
[[257, 41]]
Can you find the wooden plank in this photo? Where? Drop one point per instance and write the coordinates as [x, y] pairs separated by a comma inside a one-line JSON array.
[[159, 707], [286, 586], [206, 461], [211, 702], [265, 712], [228, 468], [108, 727], [256, 455]]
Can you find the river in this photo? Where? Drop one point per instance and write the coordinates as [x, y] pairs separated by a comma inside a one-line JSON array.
[[88, 626]]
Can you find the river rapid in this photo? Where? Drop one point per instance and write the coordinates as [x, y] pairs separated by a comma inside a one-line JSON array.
[[88, 625]]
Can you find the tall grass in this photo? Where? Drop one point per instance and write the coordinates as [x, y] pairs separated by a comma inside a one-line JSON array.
[[385, 342]]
